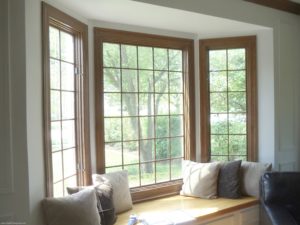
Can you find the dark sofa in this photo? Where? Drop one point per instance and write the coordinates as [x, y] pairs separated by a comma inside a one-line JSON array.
[[280, 198]]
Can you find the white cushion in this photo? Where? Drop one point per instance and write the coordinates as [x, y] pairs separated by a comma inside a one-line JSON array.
[[200, 179], [76, 209], [121, 193], [251, 174]]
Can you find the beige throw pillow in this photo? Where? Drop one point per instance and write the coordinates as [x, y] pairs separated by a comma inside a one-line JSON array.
[[76, 209], [251, 174], [200, 179], [121, 193]]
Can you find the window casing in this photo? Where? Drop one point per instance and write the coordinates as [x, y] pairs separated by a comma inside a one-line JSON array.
[[130, 80], [228, 98], [66, 133]]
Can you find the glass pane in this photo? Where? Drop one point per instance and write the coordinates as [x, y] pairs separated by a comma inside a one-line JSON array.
[[215, 158], [113, 152], [57, 166], [68, 134], [237, 157], [146, 104], [113, 169], [55, 136], [237, 124], [131, 152], [129, 56], [237, 81], [176, 125], [236, 59], [133, 175], [111, 55], [219, 144], [160, 59], [176, 84], [237, 145], [218, 81], [161, 81], [130, 128], [147, 173], [237, 102], [67, 47], [112, 129], [146, 81], [112, 104], [218, 102], [145, 58], [68, 105], [55, 105], [54, 74], [58, 189], [162, 126], [130, 104], [175, 60], [176, 168], [54, 42], [217, 60], [147, 127], [176, 147], [70, 182], [176, 103], [218, 123], [147, 150], [162, 171], [111, 79], [67, 76], [162, 148], [69, 162], [162, 104], [129, 81]]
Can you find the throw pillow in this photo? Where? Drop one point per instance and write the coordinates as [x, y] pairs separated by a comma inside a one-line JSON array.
[[105, 205], [121, 193], [77, 209], [229, 180], [251, 174], [200, 179]]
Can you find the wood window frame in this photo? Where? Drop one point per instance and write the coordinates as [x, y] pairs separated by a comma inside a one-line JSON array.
[[124, 37], [249, 43], [54, 17]]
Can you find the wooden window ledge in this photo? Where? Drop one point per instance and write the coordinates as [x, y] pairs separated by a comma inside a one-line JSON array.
[[189, 210]]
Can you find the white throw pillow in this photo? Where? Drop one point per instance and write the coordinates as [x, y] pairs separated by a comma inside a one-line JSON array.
[[200, 179], [76, 209], [121, 193], [251, 174]]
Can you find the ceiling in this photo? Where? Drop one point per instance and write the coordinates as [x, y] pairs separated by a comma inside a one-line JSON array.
[[147, 15]]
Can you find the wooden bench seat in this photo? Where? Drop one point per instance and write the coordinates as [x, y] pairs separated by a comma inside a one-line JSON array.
[[188, 210]]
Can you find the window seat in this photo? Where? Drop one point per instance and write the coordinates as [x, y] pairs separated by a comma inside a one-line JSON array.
[[188, 210]]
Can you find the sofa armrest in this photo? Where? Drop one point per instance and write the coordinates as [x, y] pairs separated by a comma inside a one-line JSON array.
[[272, 214]]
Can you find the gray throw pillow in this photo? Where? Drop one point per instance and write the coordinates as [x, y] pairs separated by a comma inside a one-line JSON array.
[[77, 209], [229, 180]]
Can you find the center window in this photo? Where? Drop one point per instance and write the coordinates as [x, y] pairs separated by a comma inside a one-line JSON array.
[[143, 114]]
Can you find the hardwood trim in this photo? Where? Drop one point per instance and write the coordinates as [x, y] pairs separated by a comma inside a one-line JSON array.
[[284, 5], [248, 42], [54, 17], [187, 46]]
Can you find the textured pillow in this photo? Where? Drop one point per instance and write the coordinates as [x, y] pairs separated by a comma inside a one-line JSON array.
[[121, 194], [77, 209], [105, 205], [229, 180], [251, 174], [200, 179]]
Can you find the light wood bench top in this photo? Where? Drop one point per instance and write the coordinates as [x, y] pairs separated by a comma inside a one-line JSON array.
[[187, 210]]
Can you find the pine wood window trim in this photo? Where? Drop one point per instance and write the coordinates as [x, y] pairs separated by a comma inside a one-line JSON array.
[[249, 43], [187, 46], [56, 18]]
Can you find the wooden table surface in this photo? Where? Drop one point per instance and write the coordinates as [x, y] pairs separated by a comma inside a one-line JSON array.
[[188, 210]]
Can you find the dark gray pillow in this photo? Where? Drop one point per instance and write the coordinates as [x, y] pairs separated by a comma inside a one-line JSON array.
[[105, 204], [229, 185]]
